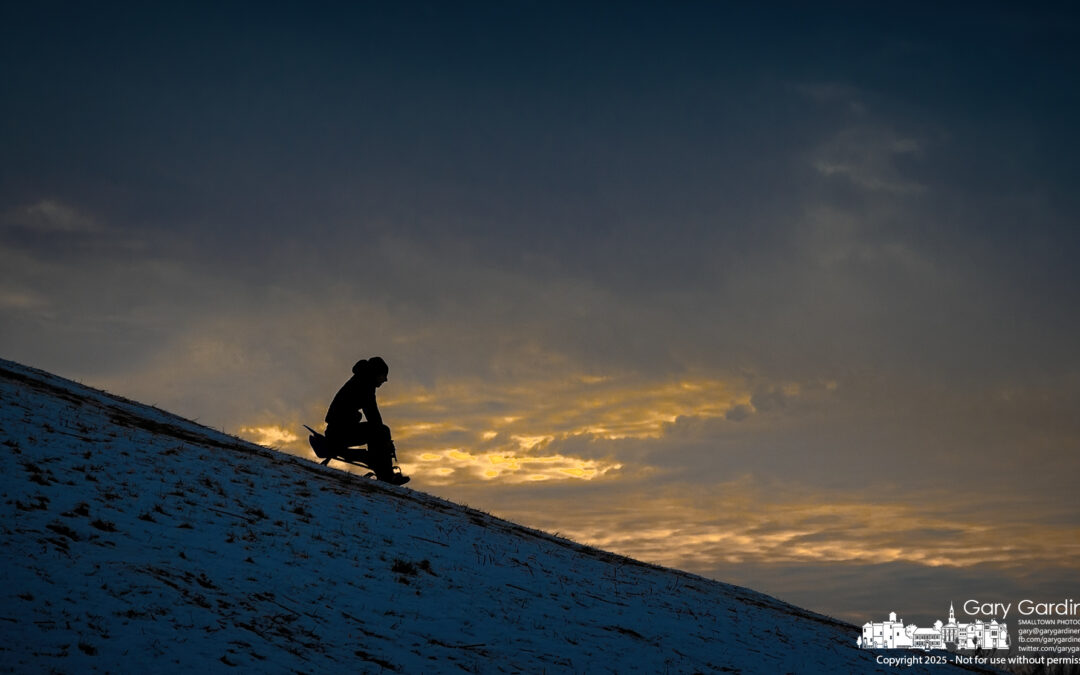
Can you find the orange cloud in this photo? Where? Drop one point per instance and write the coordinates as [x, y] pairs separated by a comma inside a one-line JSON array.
[[496, 431], [599, 407], [447, 466], [270, 435], [501, 431], [739, 522]]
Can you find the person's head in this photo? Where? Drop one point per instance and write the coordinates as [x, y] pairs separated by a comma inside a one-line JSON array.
[[374, 367], [379, 370]]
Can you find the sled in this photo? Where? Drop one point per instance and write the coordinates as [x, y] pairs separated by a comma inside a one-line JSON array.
[[326, 450]]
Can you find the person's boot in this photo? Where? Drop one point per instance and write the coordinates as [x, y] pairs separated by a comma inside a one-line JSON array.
[[381, 460], [395, 477]]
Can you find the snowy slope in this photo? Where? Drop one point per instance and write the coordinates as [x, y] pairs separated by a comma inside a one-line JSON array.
[[134, 540]]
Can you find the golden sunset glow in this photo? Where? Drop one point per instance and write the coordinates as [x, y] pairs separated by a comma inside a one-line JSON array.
[[273, 436], [510, 447], [599, 408], [741, 524], [455, 465]]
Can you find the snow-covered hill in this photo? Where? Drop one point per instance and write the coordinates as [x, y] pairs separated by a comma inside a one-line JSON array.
[[137, 541]]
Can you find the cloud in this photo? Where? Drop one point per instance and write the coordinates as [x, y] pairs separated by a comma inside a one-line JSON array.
[[767, 400], [868, 592], [19, 299], [833, 93], [864, 149], [271, 436], [52, 216], [450, 466], [518, 417], [53, 232], [870, 157], [751, 531], [738, 413]]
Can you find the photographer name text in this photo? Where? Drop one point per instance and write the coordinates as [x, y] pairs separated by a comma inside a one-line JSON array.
[[1025, 608]]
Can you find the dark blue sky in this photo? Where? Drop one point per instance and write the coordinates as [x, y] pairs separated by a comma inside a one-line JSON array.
[[759, 251], [295, 107]]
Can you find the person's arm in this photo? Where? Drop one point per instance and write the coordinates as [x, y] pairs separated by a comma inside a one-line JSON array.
[[371, 409]]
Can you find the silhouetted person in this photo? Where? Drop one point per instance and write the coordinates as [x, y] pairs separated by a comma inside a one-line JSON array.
[[345, 427]]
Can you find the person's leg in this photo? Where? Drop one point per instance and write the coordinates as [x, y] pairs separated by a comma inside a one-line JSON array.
[[380, 453], [380, 448], [347, 436]]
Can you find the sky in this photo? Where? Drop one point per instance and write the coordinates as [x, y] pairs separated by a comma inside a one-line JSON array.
[[781, 295]]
